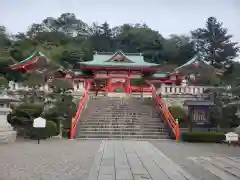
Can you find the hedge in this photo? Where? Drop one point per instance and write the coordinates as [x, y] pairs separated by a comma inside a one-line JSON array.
[[43, 133], [216, 137]]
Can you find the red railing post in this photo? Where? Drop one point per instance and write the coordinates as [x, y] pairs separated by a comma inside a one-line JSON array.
[[177, 131]]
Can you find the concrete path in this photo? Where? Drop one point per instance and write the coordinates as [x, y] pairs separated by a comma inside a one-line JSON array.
[[134, 160], [226, 168]]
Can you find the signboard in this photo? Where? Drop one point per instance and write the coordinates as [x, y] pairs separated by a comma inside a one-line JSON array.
[[39, 122], [231, 137], [115, 80]]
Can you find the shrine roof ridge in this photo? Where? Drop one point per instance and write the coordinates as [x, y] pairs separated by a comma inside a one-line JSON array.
[[112, 53]]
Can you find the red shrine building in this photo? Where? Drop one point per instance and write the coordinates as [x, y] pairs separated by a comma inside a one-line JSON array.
[[110, 72], [119, 72]]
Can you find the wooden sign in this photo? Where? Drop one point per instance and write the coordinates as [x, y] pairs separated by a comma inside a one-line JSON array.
[[39, 122], [231, 137]]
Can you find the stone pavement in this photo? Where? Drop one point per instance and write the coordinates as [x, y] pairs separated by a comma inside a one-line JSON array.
[[134, 160], [226, 168], [180, 153], [49, 160]]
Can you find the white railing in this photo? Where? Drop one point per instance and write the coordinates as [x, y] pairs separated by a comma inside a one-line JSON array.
[[15, 86], [182, 90]]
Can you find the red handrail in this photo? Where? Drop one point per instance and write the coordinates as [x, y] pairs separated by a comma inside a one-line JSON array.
[[81, 106], [167, 116]]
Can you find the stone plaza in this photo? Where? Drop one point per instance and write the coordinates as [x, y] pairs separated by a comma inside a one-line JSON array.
[[118, 160]]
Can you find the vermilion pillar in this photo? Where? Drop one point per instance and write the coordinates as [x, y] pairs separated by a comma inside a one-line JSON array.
[[109, 84], [128, 86]]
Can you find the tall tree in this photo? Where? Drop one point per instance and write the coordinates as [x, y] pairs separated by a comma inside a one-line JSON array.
[[178, 49], [214, 43]]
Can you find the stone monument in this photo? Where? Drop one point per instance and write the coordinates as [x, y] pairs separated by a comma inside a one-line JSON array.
[[7, 134]]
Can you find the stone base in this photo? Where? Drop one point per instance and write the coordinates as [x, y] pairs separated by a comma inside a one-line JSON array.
[[7, 136]]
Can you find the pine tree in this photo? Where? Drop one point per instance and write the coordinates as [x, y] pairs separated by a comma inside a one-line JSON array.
[[214, 44]]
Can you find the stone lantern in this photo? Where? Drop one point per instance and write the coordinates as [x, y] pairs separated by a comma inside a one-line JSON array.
[[7, 134]]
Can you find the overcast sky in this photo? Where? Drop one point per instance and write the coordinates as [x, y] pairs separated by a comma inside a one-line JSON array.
[[166, 16]]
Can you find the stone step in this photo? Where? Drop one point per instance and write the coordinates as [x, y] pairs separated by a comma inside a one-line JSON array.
[[83, 129], [121, 120], [124, 124], [94, 136], [121, 133], [126, 114], [121, 126]]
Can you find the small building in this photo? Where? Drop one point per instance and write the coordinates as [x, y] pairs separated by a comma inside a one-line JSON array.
[[199, 111], [197, 71]]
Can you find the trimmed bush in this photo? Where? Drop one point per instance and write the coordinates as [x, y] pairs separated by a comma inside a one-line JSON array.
[[51, 128], [180, 114], [215, 137], [43, 133]]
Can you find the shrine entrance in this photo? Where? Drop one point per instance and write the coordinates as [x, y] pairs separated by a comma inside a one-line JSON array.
[[118, 85]]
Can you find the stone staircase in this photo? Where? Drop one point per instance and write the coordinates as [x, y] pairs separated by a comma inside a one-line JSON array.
[[121, 118]]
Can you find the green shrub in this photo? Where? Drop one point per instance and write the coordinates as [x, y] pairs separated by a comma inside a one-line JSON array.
[[51, 128], [43, 133], [25, 113], [203, 137], [178, 113]]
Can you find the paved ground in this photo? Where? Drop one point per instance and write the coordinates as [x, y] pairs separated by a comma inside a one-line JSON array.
[[134, 160], [50, 160], [189, 157], [223, 167], [118, 160]]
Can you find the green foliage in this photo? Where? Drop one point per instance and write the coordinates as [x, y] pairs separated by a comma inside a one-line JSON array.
[[223, 114], [51, 128], [61, 85], [43, 133], [34, 110], [225, 117], [66, 40], [214, 44], [3, 83], [206, 137], [63, 110], [25, 113], [178, 113]]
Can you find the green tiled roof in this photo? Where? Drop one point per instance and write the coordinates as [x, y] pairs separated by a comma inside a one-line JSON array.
[[160, 75], [195, 60], [77, 73], [30, 58], [137, 60]]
